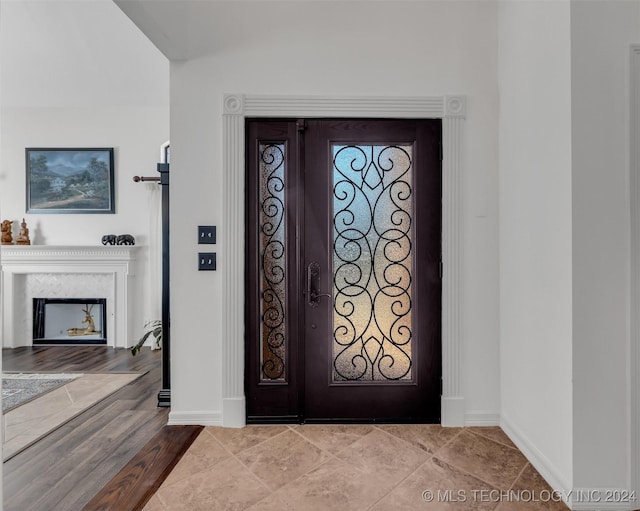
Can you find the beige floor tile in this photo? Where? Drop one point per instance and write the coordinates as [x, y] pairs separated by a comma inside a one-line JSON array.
[[227, 486], [203, 454], [154, 504], [494, 433], [239, 439], [490, 461], [350, 468], [270, 503], [435, 485], [429, 437], [334, 485], [333, 438], [531, 492], [381, 453], [282, 459]]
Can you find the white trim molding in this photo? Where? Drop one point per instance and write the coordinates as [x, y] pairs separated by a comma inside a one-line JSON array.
[[194, 419], [452, 111], [482, 419], [634, 179]]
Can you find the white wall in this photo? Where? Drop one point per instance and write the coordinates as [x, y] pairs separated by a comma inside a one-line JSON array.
[[59, 53], [601, 33], [80, 74], [564, 237], [329, 48], [535, 233]]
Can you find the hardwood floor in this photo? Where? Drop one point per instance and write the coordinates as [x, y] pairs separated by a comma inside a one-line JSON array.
[[138, 481], [66, 469]]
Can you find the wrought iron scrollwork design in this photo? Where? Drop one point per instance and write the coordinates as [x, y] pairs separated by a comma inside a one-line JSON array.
[[372, 197], [272, 257]]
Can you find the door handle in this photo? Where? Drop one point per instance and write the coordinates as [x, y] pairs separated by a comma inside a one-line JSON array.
[[313, 281]]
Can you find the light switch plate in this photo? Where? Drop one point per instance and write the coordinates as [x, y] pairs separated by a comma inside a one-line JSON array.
[[206, 234], [206, 261]]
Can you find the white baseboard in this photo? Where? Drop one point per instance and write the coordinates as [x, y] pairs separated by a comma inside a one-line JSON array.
[[194, 419], [578, 499], [539, 461], [481, 419], [233, 415]]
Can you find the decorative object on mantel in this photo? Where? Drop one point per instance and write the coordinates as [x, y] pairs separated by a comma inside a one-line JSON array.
[[126, 239], [23, 236], [88, 319], [154, 328], [7, 238], [122, 239], [109, 239]]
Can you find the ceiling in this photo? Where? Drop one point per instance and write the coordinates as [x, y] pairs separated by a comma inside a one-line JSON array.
[[188, 29]]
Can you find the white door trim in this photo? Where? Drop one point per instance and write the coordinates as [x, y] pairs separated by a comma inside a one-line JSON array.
[[236, 107]]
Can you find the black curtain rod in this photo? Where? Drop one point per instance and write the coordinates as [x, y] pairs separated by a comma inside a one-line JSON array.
[[138, 179]]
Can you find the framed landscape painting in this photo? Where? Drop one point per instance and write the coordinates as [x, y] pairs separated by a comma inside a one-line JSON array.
[[70, 180]]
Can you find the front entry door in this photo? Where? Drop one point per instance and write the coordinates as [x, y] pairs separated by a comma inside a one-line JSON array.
[[343, 270]]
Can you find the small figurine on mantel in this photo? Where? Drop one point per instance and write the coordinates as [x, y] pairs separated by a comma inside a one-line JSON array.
[[23, 236], [7, 237]]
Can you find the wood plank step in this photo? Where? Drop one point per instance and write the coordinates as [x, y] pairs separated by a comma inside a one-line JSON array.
[[136, 483]]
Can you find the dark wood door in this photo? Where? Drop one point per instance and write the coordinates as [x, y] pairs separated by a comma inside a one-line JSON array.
[[344, 287]]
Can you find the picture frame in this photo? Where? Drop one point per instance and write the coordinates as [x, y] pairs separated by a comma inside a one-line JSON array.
[[70, 180]]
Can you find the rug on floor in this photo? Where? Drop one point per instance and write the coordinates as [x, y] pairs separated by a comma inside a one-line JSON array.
[[20, 388]]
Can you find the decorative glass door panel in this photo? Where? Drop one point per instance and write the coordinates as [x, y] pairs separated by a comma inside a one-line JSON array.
[[343, 284], [272, 258], [372, 262], [272, 379]]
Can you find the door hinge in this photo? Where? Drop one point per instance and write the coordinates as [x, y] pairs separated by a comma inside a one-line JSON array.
[[440, 151], [440, 269], [301, 124], [441, 386]]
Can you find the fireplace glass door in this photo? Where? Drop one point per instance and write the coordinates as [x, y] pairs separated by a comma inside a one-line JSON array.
[[69, 321]]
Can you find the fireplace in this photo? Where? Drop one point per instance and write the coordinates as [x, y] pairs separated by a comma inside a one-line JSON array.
[[69, 321], [66, 272]]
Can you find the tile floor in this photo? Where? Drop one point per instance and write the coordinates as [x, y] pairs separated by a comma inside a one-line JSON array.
[[353, 467]]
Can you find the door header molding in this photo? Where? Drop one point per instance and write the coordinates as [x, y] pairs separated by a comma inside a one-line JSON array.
[[425, 107], [452, 109]]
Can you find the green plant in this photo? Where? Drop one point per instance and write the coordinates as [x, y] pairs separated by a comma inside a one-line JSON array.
[[154, 328]]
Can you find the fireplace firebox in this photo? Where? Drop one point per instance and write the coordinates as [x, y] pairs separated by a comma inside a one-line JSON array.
[[69, 321]]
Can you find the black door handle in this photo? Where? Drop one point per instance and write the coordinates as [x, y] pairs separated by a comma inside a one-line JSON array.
[[313, 281]]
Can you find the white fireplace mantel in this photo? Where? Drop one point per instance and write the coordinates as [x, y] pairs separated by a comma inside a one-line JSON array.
[[98, 271]]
